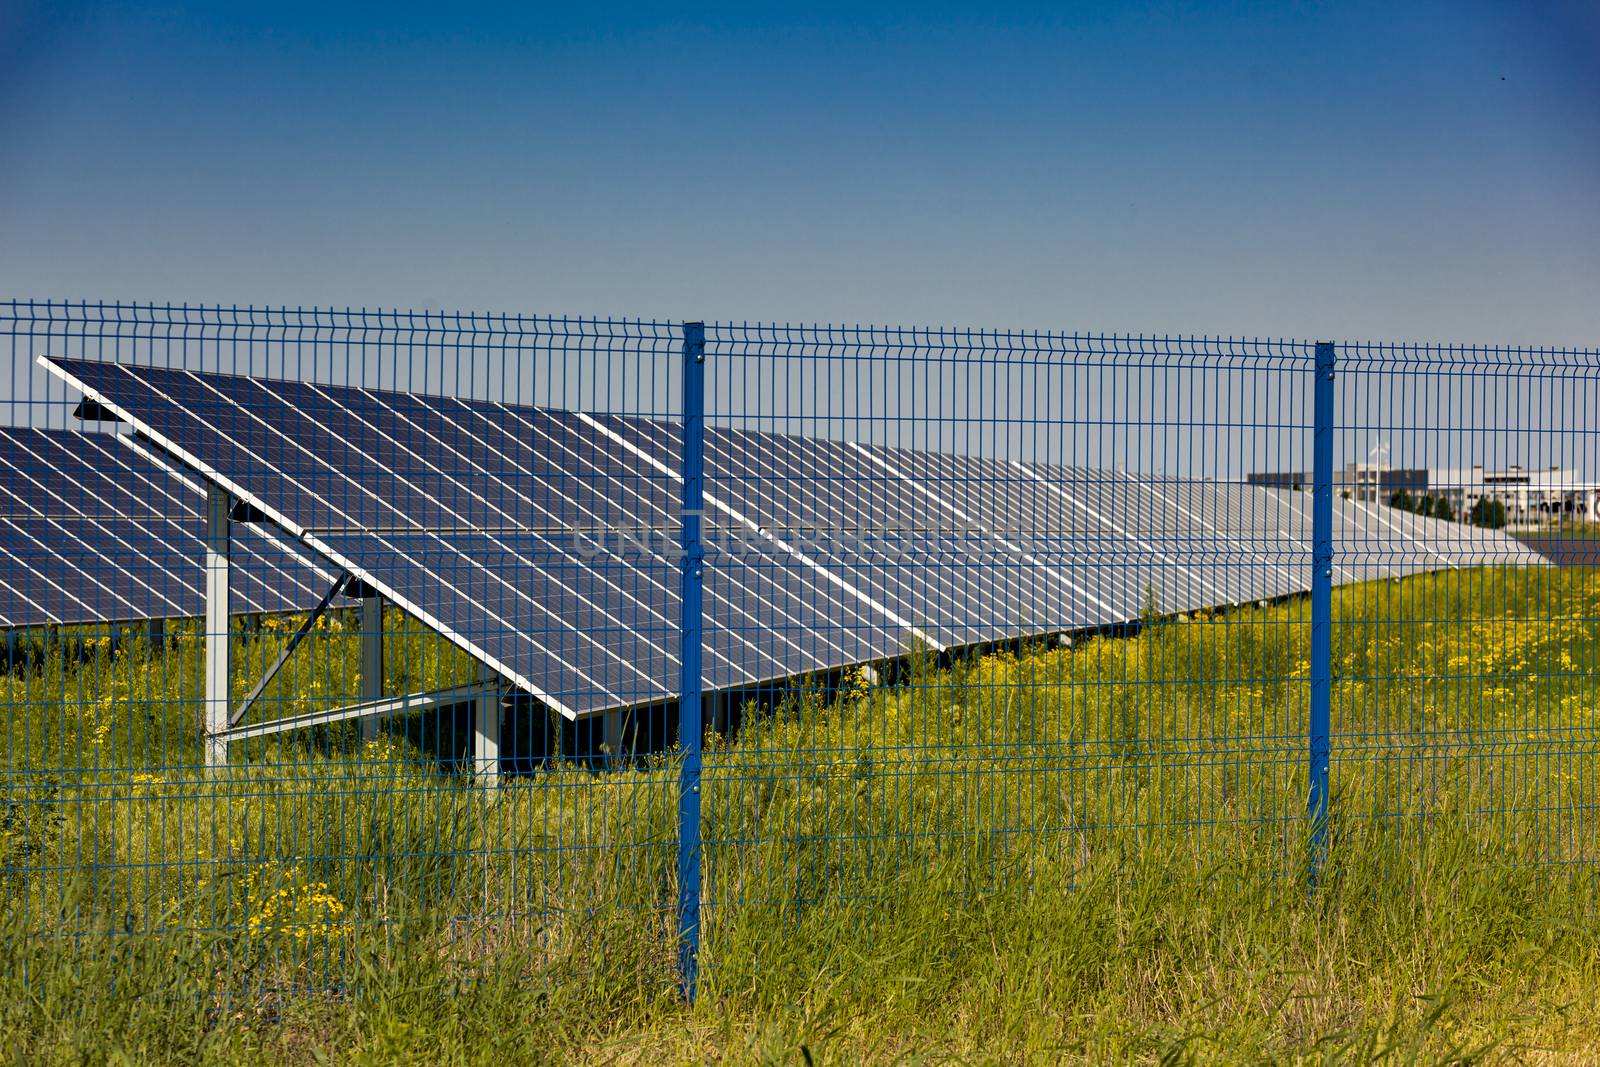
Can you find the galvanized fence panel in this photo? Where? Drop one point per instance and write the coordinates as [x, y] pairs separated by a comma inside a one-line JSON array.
[[1050, 629], [1469, 692], [368, 678], [631, 637]]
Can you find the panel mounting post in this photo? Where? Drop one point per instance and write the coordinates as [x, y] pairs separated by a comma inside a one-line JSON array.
[[371, 658], [486, 728], [613, 739], [689, 686], [1321, 602], [219, 665]]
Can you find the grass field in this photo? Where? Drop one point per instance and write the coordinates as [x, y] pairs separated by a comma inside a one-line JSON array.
[[1579, 528], [1092, 853]]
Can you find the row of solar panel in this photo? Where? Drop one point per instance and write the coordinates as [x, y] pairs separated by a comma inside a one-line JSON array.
[[93, 530], [543, 541]]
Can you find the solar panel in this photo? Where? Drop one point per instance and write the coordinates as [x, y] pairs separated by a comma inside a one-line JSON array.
[[861, 529], [1124, 539], [895, 567], [94, 530], [461, 512], [1028, 592], [822, 553], [801, 553], [1182, 539]]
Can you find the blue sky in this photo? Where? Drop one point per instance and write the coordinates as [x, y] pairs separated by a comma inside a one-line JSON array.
[[1392, 171]]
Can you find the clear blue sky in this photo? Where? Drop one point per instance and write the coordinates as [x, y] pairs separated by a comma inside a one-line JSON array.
[[1389, 170]]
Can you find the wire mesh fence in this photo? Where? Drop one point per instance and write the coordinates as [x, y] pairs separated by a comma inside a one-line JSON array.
[[327, 627], [1469, 691]]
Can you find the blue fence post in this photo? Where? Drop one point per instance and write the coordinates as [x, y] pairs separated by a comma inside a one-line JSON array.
[[1321, 601], [689, 686]]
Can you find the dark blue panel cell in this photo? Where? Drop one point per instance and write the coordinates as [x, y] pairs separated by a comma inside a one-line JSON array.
[[546, 540], [97, 532]]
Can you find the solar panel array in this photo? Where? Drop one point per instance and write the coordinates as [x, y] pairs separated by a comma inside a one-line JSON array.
[[542, 541], [92, 530]]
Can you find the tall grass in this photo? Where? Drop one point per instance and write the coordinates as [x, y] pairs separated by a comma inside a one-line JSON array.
[[1094, 851]]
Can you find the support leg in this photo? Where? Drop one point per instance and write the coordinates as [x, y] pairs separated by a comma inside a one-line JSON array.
[[219, 666], [613, 728], [486, 730], [371, 660]]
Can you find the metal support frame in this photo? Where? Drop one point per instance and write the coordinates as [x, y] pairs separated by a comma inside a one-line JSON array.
[[288, 650], [219, 665], [486, 728], [222, 720], [377, 709], [371, 658], [156, 634], [690, 683], [613, 739], [1321, 602]]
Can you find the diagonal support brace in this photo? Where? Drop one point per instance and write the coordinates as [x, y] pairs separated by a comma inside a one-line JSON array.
[[371, 709], [288, 649]]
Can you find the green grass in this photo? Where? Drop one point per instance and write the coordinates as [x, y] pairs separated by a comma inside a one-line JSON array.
[[1575, 528], [1089, 853]]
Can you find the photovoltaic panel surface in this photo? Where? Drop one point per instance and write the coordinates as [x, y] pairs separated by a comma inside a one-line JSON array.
[[473, 515], [1029, 528], [889, 562], [544, 541], [92, 530]]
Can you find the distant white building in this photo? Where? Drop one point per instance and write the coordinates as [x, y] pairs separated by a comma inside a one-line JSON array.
[[1529, 496]]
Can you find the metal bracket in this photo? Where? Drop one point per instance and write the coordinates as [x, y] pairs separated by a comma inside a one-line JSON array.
[[288, 650], [94, 411], [388, 706], [245, 512]]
